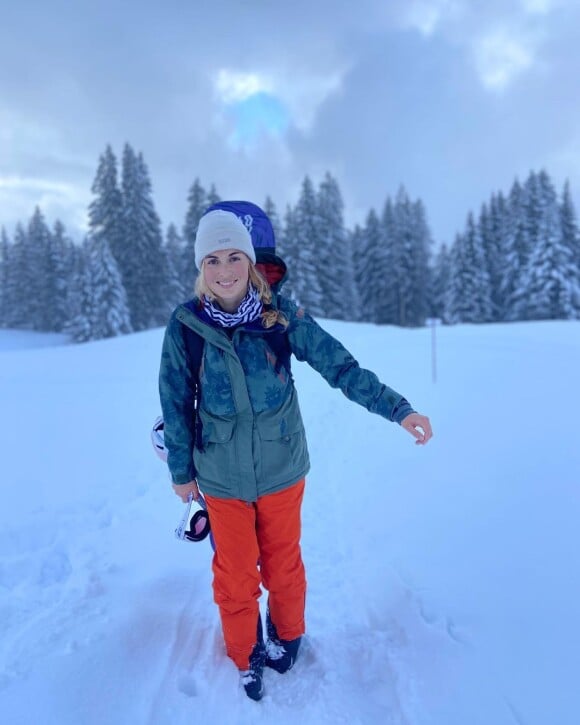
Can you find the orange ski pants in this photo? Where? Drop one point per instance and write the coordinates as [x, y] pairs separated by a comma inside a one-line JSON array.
[[258, 543]]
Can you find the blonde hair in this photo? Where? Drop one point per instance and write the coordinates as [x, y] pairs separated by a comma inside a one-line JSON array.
[[269, 317]]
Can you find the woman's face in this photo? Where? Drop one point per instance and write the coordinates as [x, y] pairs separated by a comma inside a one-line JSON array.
[[226, 273]]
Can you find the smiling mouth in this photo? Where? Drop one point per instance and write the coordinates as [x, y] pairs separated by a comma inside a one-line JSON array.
[[228, 284]]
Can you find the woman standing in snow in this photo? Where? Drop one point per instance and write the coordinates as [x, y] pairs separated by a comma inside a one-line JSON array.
[[244, 443]]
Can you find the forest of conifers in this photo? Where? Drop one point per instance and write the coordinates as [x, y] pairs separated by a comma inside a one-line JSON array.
[[517, 258]]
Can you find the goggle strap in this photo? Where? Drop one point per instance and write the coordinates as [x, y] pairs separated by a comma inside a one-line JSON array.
[[181, 529]]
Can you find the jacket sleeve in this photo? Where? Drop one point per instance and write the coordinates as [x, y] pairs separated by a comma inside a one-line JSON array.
[[324, 353], [177, 395]]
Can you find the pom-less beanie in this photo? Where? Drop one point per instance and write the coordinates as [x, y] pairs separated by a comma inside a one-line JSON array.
[[220, 229]]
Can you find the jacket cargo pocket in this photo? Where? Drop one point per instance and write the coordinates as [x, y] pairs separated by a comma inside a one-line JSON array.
[[282, 449], [218, 449]]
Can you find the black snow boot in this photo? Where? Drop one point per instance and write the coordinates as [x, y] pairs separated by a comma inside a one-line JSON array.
[[251, 678], [280, 653]]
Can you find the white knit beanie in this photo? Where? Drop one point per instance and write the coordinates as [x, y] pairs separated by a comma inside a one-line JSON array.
[[220, 229]]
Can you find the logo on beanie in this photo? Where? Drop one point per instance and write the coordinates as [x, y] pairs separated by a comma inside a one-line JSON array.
[[224, 240], [248, 221]]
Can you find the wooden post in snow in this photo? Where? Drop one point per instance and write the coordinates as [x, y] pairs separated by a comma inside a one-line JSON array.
[[433, 322]]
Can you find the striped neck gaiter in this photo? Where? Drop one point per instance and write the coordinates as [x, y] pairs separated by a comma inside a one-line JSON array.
[[250, 309]]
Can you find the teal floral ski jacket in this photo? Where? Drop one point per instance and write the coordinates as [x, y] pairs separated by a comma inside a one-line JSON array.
[[253, 438]]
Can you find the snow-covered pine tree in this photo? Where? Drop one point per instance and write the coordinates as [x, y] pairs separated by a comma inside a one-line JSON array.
[[106, 211], [532, 211], [20, 311], [441, 278], [212, 196], [418, 307], [307, 272], [550, 272], [336, 272], [287, 247], [143, 265], [4, 276], [456, 307], [59, 265], [354, 241], [468, 293], [410, 259], [42, 292], [516, 249], [197, 203], [386, 268], [571, 240], [272, 213], [485, 231], [108, 312], [366, 253], [173, 250], [494, 250], [4, 253], [79, 303]]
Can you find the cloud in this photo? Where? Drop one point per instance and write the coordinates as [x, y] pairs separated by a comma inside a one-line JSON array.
[[537, 7], [427, 15], [253, 105], [55, 199], [234, 86], [500, 57]]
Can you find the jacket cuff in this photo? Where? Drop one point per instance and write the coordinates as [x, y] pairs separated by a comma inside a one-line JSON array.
[[181, 479], [401, 410]]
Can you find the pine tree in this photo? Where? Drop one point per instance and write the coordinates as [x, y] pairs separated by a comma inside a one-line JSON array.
[[59, 266], [367, 273], [108, 312], [4, 277], [198, 202], [20, 312], [421, 241], [488, 242], [173, 250], [571, 240], [336, 272], [79, 302], [142, 265], [212, 196], [42, 293], [410, 258], [287, 247], [386, 268], [550, 272], [494, 249], [106, 211], [272, 214], [468, 294], [353, 238], [441, 282], [516, 249], [307, 277]]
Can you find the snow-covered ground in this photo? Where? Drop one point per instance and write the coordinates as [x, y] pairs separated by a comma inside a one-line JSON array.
[[444, 582]]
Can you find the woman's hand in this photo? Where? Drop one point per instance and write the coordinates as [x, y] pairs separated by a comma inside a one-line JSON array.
[[413, 422], [184, 489]]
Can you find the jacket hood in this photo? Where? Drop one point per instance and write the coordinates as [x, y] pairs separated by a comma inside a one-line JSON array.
[[272, 268], [259, 225]]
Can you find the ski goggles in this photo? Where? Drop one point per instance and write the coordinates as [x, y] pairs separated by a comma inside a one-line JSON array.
[[195, 527]]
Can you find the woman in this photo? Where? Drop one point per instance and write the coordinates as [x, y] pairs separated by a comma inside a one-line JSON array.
[[250, 456]]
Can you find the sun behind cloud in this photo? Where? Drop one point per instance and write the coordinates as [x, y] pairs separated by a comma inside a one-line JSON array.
[[250, 108]]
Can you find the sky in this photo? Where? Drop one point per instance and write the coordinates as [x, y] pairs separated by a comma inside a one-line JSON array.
[[450, 98]]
